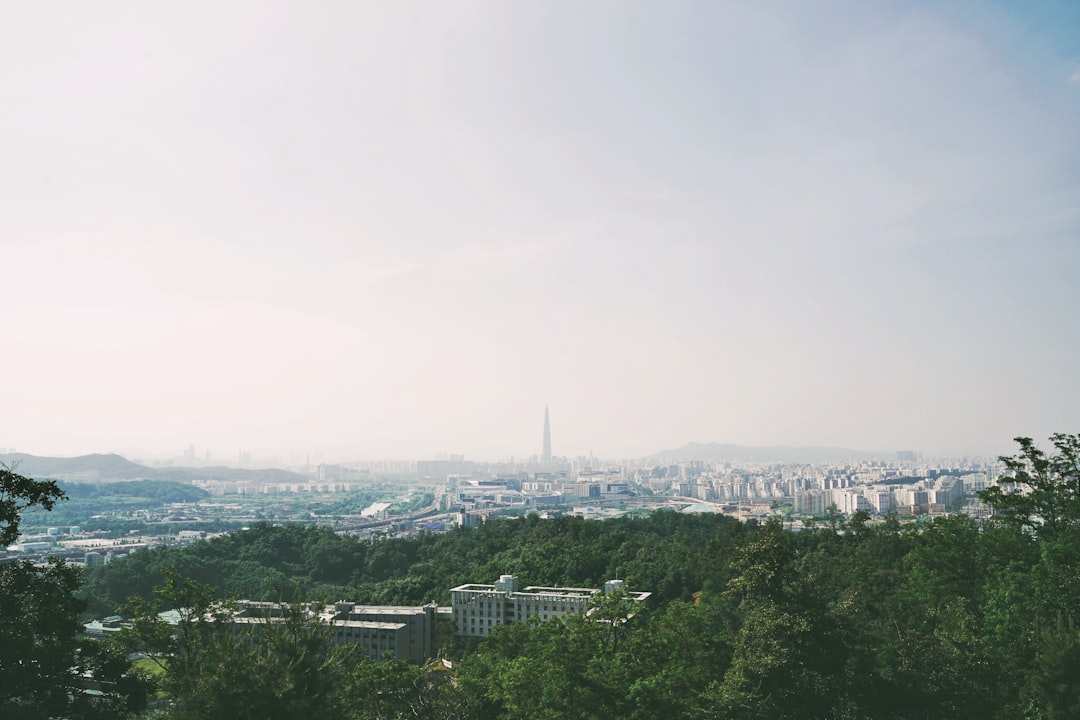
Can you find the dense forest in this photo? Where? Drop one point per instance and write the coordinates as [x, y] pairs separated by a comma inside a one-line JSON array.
[[939, 619], [945, 618], [666, 553]]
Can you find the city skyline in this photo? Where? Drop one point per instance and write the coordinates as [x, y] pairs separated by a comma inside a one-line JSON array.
[[692, 452], [386, 231]]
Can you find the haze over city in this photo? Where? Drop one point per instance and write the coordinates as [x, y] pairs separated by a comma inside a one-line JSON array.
[[398, 229]]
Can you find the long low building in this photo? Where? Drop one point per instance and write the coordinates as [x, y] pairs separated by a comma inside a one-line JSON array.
[[407, 633], [476, 609]]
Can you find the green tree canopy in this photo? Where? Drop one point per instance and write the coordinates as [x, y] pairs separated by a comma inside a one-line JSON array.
[[18, 493], [47, 669], [1043, 491]]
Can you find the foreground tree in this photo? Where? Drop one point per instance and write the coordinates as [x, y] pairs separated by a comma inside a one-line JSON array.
[[17, 493], [214, 668], [1054, 678], [1042, 493], [48, 671], [788, 657], [280, 668], [395, 690]]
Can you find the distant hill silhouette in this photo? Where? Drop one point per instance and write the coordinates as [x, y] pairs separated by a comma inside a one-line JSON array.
[[726, 452], [92, 468], [83, 467]]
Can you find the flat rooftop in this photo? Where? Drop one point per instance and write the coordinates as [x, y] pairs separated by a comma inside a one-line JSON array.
[[531, 590], [364, 624], [385, 610], [577, 592]]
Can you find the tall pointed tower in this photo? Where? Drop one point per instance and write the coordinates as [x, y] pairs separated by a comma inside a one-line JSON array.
[[546, 456]]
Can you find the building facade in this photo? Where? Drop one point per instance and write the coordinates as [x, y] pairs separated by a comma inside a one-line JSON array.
[[405, 633], [477, 609]]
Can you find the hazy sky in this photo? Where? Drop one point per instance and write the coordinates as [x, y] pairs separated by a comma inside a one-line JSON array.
[[393, 229]]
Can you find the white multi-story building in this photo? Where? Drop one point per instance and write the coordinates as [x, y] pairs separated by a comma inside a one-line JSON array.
[[948, 491], [880, 500], [479, 608], [974, 482], [813, 502], [849, 501]]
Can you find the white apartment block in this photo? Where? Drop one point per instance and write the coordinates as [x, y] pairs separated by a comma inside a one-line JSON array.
[[850, 500], [813, 502], [880, 501], [941, 494], [975, 482]]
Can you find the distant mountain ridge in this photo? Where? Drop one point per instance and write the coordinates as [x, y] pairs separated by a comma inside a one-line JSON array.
[[727, 452], [98, 467], [92, 467]]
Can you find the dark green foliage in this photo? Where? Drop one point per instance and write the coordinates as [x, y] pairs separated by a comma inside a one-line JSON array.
[[413, 504], [395, 690], [213, 669], [281, 670], [1055, 677], [84, 500], [18, 494], [1043, 491], [352, 504], [662, 552], [47, 670], [152, 493], [789, 657]]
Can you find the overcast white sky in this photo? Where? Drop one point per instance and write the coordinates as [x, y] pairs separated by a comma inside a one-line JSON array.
[[392, 229]]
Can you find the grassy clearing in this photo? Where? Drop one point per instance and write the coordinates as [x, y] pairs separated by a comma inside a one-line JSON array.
[[149, 666]]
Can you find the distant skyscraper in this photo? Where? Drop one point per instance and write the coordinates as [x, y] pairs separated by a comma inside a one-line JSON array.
[[546, 456]]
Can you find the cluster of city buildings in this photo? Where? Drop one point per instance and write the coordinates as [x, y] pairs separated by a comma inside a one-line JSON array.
[[525, 489], [223, 488], [903, 485], [76, 546], [73, 545], [922, 496], [877, 488]]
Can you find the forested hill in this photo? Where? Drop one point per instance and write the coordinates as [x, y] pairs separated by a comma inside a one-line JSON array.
[[153, 492], [89, 467], [661, 553], [944, 619], [111, 467]]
